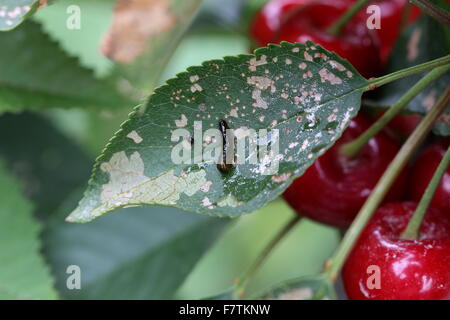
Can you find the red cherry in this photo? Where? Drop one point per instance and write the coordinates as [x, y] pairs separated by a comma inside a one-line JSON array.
[[407, 269], [416, 13], [422, 172], [391, 15], [404, 125], [356, 42], [269, 18], [334, 188]]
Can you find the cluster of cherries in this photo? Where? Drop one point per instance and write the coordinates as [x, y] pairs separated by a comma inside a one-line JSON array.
[[334, 188]]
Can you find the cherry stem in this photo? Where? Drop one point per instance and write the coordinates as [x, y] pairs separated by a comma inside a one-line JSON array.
[[245, 279], [377, 82], [434, 11], [351, 149], [336, 28], [412, 230], [384, 184]]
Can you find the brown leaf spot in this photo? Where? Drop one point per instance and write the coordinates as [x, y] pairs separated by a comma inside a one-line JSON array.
[[134, 22]]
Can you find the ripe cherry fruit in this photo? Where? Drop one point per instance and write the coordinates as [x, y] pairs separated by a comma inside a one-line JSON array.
[[382, 266], [422, 172], [269, 19], [402, 125], [355, 43], [334, 188], [391, 15]]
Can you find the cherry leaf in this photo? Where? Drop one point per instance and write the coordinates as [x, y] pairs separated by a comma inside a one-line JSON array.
[[297, 98], [143, 36], [46, 77], [14, 12], [23, 272]]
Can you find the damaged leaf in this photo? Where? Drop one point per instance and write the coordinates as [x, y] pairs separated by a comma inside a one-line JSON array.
[[286, 106], [13, 12], [134, 22], [143, 36]]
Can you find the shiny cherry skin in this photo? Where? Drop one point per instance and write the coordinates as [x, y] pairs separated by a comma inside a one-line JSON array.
[[269, 19], [407, 269], [391, 15], [404, 125], [422, 172], [356, 42], [334, 188]]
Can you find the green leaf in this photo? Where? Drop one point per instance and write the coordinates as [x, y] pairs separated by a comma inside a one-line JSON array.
[[419, 43], [142, 56], [304, 288], [23, 273], [49, 165], [14, 12], [229, 294], [242, 244], [37, 74], [136, 253], [83, 42], [305, 92]]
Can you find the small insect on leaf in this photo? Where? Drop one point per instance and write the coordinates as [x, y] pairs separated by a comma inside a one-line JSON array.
[[225, 166]]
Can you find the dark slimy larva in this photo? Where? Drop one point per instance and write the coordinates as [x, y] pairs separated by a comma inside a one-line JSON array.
[[223, 166]]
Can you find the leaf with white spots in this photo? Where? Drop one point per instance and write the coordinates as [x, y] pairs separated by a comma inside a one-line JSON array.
[[304, 288], [421, 42], [171, 153], [13, 12]]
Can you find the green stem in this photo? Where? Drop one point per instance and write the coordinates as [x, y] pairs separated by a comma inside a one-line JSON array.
[[413, 228], [382, 187], [377, 82], [244, 280], [352, 148], [434, 11], [336, 28]]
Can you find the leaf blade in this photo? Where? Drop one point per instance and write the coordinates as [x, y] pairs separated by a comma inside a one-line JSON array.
[[144, 253], [38, 155], [323, 93], [46, 77], [14, 12], [20, 246], [143, 45]]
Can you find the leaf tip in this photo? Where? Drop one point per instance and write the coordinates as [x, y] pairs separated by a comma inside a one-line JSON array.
[[80, 215]]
